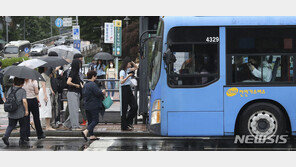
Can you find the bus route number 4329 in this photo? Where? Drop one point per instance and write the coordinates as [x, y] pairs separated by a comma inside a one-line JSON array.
[[212, 39]]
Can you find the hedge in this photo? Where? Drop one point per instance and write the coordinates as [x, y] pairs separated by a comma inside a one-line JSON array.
[[9, 61]]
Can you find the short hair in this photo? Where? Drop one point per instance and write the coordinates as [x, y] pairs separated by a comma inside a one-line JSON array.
[[77, 56], [91, 73], [41, 70], [18, 81]]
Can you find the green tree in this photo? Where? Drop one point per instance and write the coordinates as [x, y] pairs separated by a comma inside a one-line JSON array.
[[130, 40], [90, 28], [33, 28]]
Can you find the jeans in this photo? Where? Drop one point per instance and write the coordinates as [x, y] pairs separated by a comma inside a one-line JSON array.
[[102, 83], [33, 108], [93, 120], [11, 125], [128, 99], [111, 85]]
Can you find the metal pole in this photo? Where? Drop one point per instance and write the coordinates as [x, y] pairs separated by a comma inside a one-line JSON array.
[[119, 84], [77, 20], [6, 31], [50, 26]]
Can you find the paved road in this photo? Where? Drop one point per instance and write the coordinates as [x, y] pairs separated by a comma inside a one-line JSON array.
[[48, 144], [141, 144], [178, 144]]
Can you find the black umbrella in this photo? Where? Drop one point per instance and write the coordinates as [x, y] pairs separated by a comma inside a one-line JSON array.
[[103, 56], [22, 72], [53, 61]]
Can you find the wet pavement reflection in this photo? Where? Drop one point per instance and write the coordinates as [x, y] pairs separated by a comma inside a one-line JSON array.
[[186, 144], [143, 144], [48, 144]]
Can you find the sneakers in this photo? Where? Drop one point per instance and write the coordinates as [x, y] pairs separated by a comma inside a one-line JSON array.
[[63, 128], [5, 140], [22, 142], [131, 126], [127, 129]]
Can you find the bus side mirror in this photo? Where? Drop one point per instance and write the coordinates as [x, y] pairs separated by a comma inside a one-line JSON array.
[[169, 57]]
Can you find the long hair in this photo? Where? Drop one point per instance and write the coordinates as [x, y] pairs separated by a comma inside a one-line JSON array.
[[75, 66], [102, 63], [124, 63]]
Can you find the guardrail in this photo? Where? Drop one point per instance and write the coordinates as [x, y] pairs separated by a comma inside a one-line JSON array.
[[89, 49], [110, 116], [50, 39]]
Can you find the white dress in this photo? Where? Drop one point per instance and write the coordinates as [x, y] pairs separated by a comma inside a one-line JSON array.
[[45, 108]]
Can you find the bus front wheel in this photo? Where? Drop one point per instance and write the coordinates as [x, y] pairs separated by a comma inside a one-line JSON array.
[[262, 119]]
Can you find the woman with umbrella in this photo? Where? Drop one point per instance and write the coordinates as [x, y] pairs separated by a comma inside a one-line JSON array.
[[100, 68], [44, 96], [32, 91]]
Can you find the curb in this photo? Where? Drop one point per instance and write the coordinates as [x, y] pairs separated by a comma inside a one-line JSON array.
[[78, 134]]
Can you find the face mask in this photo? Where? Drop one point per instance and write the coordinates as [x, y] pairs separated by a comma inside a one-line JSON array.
[[111, 65]]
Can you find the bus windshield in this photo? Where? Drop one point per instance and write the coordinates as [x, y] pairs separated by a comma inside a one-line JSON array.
[[11, 50], [154, 57]]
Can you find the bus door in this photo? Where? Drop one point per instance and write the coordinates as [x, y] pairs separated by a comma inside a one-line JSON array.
[[193, 95]]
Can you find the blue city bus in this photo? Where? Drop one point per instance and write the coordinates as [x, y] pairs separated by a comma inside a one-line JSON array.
[[222, 76]]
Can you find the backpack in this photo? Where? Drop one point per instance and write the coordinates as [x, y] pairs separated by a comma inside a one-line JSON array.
[[11, 104]]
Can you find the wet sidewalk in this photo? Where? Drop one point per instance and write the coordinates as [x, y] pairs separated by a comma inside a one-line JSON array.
[[102, 129]]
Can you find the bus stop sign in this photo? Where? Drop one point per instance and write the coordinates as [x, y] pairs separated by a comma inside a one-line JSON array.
[[77, 44]]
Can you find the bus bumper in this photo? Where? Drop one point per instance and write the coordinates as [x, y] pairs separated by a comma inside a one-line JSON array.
[[154, 129]]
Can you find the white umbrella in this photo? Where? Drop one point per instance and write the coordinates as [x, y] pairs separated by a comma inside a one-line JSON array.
[[33, 63]]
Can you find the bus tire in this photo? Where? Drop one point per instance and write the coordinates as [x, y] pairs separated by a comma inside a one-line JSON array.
[[262, 119]]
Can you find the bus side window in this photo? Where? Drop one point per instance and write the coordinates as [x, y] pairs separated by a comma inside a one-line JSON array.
[[196, 55]]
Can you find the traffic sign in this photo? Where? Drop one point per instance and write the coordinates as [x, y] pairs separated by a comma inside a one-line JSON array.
[[117, 37], [77, 44], [27, 50], [76, 32], [59, 22], [67, 22]]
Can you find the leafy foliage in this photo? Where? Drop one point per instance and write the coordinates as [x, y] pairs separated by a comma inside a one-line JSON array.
[[130, 41], [33, 28], [10, 61], [90, 27]]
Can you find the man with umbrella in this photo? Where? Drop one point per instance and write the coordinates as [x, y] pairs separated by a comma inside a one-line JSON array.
[[17, 95]]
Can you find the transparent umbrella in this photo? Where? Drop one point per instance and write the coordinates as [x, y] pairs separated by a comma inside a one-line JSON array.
[[33, 63]]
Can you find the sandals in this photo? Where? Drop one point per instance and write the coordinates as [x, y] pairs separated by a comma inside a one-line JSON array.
[[32, 125], [83, 135], [94, 138]]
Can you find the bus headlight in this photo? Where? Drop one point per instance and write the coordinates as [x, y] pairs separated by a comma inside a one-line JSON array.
[[155, 115]]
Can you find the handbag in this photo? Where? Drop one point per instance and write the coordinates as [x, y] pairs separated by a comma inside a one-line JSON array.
[[107, 102], [134, 82]]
